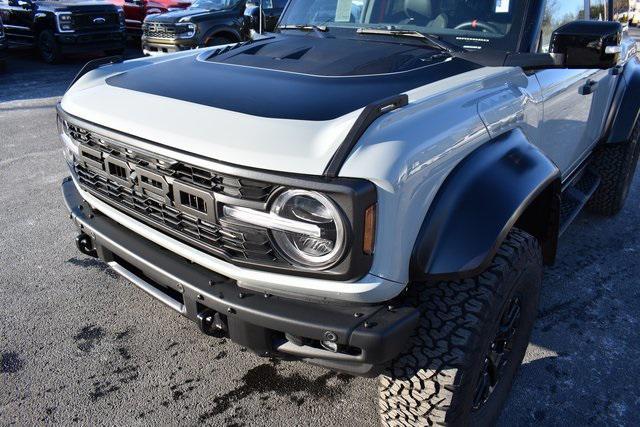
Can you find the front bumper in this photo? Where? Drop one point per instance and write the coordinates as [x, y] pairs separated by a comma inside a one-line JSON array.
[[91, 42], [367, 335], [160, 46]]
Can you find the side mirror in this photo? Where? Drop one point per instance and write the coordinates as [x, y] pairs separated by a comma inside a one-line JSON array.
[[587, 44]]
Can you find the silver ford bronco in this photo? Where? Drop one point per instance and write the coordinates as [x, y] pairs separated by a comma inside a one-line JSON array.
[[373, 188]]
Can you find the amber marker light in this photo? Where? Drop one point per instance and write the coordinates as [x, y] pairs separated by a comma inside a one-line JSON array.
[[369, 229]]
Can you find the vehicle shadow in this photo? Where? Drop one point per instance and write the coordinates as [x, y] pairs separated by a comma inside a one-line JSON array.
[[581, 368]]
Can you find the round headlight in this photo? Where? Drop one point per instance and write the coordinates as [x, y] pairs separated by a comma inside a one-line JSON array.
[[317, 251]]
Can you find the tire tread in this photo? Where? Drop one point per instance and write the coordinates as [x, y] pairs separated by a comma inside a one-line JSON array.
[[420, 386]]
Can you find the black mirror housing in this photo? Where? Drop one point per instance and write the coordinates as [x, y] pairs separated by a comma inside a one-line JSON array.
[[587, 44]]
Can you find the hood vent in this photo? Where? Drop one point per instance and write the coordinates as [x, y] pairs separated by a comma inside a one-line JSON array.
[[329, 57]]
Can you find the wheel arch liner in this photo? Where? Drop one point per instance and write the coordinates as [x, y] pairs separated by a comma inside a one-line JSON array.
[[626, 104], [477, 205]]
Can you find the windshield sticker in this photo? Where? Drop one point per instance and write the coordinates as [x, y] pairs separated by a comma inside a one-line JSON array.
[[343, 11], [502, 6]]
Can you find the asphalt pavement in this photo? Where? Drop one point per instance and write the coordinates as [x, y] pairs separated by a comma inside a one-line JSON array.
[[81, 345]]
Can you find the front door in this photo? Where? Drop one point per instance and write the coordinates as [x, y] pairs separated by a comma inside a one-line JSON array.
[[568, 97], [17, 21], [575, 101]]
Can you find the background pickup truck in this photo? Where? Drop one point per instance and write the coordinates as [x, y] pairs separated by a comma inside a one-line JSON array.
[[56, 28], [208, 23]]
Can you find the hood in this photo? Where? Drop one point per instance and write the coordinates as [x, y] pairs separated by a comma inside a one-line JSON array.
[[284, 103], [76, 6], [186, 15]]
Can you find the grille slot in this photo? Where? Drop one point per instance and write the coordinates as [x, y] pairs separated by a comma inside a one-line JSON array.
[[159, 31], [118, 171], [85, 21], [105, 171]]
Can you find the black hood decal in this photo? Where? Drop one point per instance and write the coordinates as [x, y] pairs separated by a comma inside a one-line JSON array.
[[293, 77]]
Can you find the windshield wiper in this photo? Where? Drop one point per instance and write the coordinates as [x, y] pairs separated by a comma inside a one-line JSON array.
[[391, 31], [304, 27]]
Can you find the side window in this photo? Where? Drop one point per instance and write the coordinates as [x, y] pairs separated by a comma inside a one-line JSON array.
[[598, 10], [279, 4], [556, 14]]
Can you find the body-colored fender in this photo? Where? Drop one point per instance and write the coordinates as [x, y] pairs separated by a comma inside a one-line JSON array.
[[479, 203]]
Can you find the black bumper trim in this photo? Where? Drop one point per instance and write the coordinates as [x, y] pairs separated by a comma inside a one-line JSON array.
[[254, 320], [91, 42]]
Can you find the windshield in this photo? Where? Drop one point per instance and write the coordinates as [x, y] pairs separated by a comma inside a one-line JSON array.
[[105, 2], [471, 24], [214, 4]]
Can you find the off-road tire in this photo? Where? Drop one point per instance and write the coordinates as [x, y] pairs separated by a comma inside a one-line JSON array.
[[48, 47], [616, 164], [434, 381]]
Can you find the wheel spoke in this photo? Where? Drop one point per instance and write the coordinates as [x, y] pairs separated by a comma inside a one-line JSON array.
[[497, 356]]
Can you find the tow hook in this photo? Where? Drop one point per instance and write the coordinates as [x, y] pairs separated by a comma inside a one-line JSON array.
[[212, 323], [85, 245]]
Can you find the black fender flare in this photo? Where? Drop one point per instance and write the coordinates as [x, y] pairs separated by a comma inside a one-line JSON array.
[[217, 29], [626, 105], [478, 204]]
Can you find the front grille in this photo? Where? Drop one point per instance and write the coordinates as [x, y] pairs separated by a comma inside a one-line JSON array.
[[95, 21], [159, 31], [174, 197]]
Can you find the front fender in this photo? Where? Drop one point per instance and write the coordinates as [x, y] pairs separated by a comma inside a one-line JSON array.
[[478, 204], [43, 20]]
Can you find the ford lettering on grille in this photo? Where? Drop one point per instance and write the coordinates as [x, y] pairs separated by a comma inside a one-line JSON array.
[[172, 196], [185, 198]]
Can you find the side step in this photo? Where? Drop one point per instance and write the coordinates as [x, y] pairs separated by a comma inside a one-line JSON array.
[[576, 196]]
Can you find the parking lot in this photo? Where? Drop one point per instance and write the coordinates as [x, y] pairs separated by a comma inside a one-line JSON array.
[[80, 344]]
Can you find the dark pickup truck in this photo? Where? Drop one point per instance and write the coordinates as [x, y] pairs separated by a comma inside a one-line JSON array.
[[56, 28], [208, 23]]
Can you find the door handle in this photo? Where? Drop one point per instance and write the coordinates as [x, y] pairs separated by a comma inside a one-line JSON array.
[[589, 87]]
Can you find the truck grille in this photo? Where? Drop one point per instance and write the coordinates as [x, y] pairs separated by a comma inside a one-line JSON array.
[[96, 21], [173, 197], [159, 31]]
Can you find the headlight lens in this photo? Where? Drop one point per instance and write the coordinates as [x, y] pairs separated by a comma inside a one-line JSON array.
[[70, 145], [65, 22], [185, 30], [311, 251], [121, 18]]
